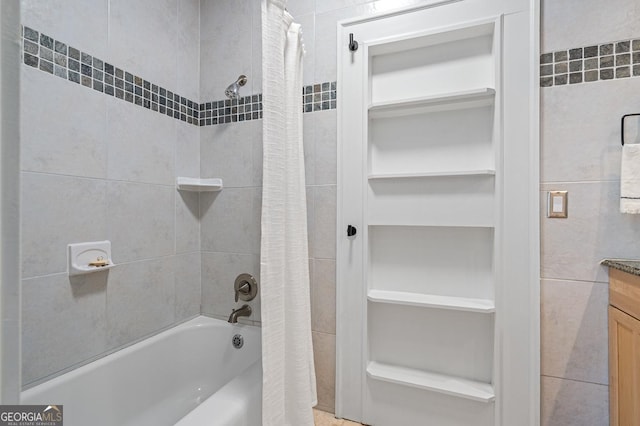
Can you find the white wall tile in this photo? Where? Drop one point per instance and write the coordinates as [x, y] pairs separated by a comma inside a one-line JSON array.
[[140, 299], [63, 322], [325, 42], [311, 218], [71, 130], [82, 24], [140, 153], [187, 150], [324, 6], [323, 309], [63, 126], [187, 221], [140, 221], [326, 140], [575, 23], [323, 242], [571, 403], [572, 248], [309, 146], [257, 153], [219, 272], [56, 211], [143, 39], [324, 354], [580, 137], [301, 7], [574, 330], [187, 285], [227, 153], [256, 47], [226, 46], [308, 22], [188, 51], [11, 360], [231, 220]]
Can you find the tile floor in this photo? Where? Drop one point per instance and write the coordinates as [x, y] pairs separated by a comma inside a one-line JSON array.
[[322, 418]]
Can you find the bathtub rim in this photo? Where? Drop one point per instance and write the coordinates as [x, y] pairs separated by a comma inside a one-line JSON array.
[[77, 369]]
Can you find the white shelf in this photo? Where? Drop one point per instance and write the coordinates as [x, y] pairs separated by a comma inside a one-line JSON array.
[[198, 185], [440, 383], [441, 102], [432, 301], [448, 173]]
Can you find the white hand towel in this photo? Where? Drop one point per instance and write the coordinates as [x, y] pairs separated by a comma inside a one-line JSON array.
[[630, 179]]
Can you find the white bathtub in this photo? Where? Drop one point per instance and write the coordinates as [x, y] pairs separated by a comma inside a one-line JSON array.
[[189, 375]]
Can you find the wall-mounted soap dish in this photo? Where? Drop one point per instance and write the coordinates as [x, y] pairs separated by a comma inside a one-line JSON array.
[[85, 258]]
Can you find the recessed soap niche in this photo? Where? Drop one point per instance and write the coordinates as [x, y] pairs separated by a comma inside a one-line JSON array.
[[86, 258]]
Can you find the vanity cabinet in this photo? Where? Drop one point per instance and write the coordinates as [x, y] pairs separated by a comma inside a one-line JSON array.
[[624, 347]]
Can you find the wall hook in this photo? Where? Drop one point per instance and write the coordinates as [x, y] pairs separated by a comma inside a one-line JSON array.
[[353, 45]]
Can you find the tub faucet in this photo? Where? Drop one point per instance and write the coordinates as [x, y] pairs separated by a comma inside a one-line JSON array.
[[244, 311]]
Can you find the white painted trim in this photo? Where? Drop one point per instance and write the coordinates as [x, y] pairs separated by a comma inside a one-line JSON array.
[[10, 347], [394, 12], [532, 177], [534, 222]]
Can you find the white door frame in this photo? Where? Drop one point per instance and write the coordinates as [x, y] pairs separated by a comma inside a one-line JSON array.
[[517, 369]]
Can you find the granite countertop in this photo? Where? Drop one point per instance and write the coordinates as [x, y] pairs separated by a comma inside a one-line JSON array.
[[624, 265]]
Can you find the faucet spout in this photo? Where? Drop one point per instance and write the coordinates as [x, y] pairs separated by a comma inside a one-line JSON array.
[[244, 311]]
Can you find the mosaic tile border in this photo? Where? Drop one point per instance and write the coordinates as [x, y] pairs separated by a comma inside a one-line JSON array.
[[55, 57], [587, 64]]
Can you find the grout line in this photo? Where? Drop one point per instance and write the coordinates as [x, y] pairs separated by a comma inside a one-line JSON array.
[[161, 185], [574, 280], [322, 332], [574, 380], [578, 181], [130, 262]]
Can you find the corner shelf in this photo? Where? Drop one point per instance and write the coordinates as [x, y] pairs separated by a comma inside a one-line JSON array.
[[465, 304], [198, 185], [442, 102], [451, 173], [440, 383]]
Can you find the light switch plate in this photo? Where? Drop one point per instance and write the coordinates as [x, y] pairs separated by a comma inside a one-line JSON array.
[[557, 204]]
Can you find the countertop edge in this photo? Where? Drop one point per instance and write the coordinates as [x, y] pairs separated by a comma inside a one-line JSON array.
[[629, 266]]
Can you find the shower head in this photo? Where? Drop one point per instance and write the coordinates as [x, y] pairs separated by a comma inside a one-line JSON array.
[[233, 90]]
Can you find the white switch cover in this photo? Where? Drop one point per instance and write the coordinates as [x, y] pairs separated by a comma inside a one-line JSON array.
[[557, 204]]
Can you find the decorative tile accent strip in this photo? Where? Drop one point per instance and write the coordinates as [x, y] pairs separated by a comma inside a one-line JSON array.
[[244, 108], [55, 57], [607, 61], [319, 97]]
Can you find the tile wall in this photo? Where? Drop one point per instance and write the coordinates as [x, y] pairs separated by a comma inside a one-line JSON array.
[[99, 161], [588, 69]]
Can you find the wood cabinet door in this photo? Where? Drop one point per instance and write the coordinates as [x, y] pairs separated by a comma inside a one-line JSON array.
[[624, 368]]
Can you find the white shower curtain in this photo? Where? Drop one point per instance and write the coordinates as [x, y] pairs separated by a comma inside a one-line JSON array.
[[289, 383]]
